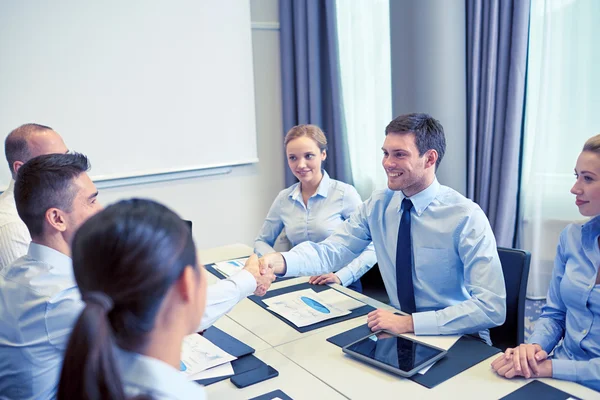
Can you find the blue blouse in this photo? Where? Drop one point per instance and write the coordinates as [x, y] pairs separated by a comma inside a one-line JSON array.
[[332, 204], [573, 307]]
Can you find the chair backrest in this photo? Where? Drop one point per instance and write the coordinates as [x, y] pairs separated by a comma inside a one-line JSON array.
[[515, 266]]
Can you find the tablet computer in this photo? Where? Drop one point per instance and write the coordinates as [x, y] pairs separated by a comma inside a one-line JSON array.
[[397, 354]]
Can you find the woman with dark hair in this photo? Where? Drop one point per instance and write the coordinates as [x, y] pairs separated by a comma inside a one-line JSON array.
[[144, 291]]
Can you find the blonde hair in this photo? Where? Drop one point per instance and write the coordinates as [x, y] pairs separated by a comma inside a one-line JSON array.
[[312, 131], [592, 144]]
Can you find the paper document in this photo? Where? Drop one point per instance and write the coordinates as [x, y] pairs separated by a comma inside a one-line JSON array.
[[304, 307], [340, 300], [199, 354], [214, 372], [231, 267]]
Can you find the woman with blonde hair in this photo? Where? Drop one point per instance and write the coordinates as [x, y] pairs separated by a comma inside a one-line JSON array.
[[313, 208], [566, 326]]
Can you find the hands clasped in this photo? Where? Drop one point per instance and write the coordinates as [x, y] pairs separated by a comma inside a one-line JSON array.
[[264, 276], [527, 360]]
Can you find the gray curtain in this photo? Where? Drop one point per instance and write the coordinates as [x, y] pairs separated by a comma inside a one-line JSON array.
[[497, 39], [310, 74]]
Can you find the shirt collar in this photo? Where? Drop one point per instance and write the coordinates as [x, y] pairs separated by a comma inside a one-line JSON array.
[[156, 376], [60, 262], [11, 187], [322, 190], [423, 199], [593, 225]]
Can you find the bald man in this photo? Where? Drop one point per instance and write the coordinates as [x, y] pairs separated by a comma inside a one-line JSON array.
[[21, 145]]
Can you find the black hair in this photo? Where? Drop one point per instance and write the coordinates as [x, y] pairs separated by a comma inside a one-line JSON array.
[[129, 255], [44, 182], [429, 133]]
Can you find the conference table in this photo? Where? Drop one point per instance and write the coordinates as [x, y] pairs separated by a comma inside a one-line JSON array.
[[312, 368]]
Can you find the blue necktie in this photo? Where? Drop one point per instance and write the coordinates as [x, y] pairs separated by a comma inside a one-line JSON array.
[[404, 261]]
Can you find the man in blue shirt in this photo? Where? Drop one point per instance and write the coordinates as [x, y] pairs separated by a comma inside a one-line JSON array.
[[435, 248], [39, 299]]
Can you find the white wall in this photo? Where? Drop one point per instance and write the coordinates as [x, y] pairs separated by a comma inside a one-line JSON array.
[[230, 208]]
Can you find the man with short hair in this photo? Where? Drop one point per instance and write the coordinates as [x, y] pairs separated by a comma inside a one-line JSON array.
[[39, 299], [435, 248], [21, 145]]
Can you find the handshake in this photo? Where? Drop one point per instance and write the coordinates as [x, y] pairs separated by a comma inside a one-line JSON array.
[[264, 270]]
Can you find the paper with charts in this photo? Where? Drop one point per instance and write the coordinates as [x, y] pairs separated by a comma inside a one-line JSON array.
[[304, 307], [199, 354], [231, 267]]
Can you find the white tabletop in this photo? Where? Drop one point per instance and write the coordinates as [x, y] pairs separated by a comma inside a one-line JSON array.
[[312, 368], [293, 380], [356, 379]]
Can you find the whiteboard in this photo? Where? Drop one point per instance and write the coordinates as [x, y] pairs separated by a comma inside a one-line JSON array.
[[141, 87]]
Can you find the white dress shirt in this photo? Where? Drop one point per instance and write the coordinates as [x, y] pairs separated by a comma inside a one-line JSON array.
[[14, 235], [39, 304], [457, 276], [152, 377]]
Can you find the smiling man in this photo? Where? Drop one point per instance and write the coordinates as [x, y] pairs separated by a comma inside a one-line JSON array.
[[435, 248]]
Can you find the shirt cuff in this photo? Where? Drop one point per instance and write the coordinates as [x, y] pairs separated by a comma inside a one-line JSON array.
[[291, 262], [425, 323], [564, 369], [245, 281], [346, 276], [541, 340]]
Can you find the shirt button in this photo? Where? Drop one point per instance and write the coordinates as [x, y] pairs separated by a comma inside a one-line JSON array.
[[590, 286], [584, 331]]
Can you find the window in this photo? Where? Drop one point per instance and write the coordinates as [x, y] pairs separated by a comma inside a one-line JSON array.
[[562, 103], [364, 47]]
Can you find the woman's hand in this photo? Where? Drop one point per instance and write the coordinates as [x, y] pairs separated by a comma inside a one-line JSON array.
[[324, 279]]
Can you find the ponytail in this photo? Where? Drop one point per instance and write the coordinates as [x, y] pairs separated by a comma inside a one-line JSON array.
[[89, 369]]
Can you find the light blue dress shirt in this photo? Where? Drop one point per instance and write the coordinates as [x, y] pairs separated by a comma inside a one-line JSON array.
[[39, 303], [572, 310], [457, 276], [146, 375], [327, 209]]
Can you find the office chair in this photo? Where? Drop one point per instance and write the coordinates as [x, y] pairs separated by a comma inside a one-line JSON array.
[[372, 285], [515, 266]]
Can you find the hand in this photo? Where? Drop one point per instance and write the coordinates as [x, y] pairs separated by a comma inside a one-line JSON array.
[[273, 261], [382, 319], [505, 367], [263, 281], [531, 361], [526, 358], [324, 279]]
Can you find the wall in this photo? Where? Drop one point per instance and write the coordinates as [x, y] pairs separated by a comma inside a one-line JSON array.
[[428, 73], [230, 208]]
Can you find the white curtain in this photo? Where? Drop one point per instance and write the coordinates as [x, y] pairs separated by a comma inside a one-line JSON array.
[[562, 111], [364, 47]]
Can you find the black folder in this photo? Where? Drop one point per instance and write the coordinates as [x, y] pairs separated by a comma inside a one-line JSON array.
[[465, 353], [273, 395], [211, 268], [245, 361], [357, 312], [539, 390]]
